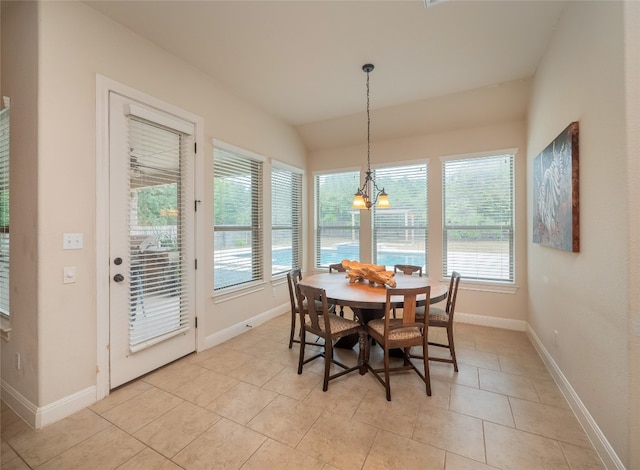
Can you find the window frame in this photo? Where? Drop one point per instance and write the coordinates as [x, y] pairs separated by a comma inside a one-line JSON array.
[[296, 225], [399, 168], [353, 228], [257, 217], [510, 280]]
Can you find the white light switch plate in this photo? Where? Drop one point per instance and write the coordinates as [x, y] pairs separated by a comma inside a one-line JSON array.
[[69, 275], [72, 241]]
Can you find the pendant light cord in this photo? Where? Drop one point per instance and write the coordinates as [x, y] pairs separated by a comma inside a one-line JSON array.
[[368, 129]]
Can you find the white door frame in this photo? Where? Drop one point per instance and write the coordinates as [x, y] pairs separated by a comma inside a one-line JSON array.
[[103, 86]]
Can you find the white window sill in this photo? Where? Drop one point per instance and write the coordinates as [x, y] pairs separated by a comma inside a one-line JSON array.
[[5, 327], [279, 280], [236, 292], [496, 288]]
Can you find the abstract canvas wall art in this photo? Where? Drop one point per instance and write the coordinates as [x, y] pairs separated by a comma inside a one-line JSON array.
[[556, 214]]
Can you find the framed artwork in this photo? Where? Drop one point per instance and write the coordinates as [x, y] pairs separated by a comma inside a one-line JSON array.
[[556, 215]]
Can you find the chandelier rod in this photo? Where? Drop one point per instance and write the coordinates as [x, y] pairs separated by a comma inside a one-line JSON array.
[[368, 68]]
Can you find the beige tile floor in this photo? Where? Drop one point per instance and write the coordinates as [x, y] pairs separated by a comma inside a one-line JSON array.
[[242, 405]]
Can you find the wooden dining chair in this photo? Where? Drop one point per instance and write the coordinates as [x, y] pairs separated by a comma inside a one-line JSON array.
[[340, 269], [295, 310], [321, 322], [407, 269], [443, 318], [293, 277], [403, 334], [337, 267]]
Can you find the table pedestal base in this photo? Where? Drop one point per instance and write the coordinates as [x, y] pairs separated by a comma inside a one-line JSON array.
[[363, 315]]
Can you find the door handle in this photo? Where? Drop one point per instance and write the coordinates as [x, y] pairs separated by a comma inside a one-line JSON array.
[[118, 278]]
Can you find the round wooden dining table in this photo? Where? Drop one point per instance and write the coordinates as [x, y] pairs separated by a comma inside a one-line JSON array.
[[367, 300]]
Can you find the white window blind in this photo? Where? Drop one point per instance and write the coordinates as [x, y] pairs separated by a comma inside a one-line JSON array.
[[400, 233], [286, 220], [4, 211], [478, 215], [337, 225], [158, 290], [237, 214]]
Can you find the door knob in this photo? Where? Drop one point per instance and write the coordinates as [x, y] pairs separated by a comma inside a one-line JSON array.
[[117, 261], [118, 278]]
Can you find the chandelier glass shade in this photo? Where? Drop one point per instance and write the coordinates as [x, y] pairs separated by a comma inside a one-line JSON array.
[[369, 194]]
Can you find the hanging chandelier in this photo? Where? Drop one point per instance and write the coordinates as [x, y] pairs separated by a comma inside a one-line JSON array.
[[369, 194]]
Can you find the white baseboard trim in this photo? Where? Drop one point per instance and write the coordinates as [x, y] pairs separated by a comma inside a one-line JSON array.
[[66, 406], [19, 404], [493, 322], [38, 417], [608, 455], [243, 326]]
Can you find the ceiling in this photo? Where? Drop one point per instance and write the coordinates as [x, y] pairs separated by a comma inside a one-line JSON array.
[[301, 61]]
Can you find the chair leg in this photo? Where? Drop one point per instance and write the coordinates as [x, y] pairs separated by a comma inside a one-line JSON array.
[[427, 374], [328, 356], [452, 348], [387, 385], [293, 329], [303, 338]]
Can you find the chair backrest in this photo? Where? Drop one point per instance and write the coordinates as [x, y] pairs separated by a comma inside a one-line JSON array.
[[317, 306], [293, 277], [410, 300], [407, 269], [453, 293], [337, 267]]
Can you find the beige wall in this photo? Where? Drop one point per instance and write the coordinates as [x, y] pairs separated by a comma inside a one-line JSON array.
[[51, 53], [632, 98], [74, 43], [493, 136], [19, 81], [584, 296]]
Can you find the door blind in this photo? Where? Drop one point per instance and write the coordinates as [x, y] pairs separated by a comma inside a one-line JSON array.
[[4, 211], [158, 297]]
